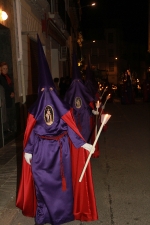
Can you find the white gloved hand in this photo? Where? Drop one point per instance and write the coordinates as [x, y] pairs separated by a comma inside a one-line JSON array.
[[28, 157], [95, 112], [88, 147]]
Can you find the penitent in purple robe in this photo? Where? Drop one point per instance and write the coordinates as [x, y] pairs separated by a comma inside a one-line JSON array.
[[51, 163], [80, 101]]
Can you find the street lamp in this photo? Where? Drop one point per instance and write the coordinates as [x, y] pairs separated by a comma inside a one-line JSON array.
[[4, 15], [92, 4]]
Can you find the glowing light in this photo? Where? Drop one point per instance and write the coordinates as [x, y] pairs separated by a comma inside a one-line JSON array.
[[93, 4], [4, 15]]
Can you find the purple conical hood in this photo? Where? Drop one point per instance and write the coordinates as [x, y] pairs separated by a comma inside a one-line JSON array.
[[45, 77], [47, 94], [76, 72], [78, 90]]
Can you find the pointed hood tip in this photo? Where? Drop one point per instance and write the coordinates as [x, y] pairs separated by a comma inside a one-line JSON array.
[[45, 77]]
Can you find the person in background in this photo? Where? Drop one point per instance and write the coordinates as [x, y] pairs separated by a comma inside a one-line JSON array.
[[127, 93], [81, 103], [7, 84]]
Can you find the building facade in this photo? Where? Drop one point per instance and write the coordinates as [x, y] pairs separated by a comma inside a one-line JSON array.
[[112, 56], [56, 23]]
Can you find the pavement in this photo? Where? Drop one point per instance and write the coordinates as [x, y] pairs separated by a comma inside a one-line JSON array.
[[121, 174]]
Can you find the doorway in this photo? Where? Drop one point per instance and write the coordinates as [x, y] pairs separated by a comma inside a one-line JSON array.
[[6, 56]]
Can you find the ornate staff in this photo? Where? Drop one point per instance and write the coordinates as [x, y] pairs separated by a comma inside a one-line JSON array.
[[105, 118], [103, 92], [97, 107]]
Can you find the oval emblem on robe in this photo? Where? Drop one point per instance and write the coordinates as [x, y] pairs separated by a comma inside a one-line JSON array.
[[78, 102], [49, 115]]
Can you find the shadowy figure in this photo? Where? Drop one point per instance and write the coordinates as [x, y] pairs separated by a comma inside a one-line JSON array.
[[7, 84]]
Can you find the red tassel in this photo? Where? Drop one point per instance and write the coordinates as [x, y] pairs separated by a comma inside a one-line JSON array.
[[64, 185]]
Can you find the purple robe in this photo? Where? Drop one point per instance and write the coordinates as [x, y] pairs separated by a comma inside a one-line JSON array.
[[50, 163]]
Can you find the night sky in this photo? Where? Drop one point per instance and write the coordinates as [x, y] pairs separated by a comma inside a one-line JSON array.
[[130, 16]]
